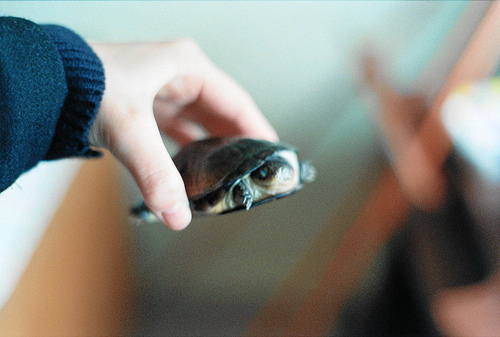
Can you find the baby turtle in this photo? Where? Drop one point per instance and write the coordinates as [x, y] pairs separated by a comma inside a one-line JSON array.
[[224, 175]]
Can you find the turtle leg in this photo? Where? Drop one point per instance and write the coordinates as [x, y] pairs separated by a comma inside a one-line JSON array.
[[242, 195], [143, 213]]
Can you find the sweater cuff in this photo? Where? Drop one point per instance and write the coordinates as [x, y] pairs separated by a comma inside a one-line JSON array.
[[85, 79]]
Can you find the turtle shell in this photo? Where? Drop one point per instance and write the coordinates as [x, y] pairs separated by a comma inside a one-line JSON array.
[[211, 169], [212, 165]]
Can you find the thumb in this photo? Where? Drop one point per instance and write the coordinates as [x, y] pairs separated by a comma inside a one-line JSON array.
[[142, 151]]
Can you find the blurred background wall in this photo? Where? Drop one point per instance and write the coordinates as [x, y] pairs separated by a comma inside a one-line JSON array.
[[300, 61]]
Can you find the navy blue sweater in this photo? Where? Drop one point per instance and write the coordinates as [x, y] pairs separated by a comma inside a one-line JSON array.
[[51, 84]]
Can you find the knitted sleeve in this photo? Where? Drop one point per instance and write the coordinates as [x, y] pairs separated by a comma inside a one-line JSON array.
[[32, 92], [51, 84], [85, 80]]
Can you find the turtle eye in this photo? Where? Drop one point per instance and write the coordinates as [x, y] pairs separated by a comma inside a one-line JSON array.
[[273, 170], [261, 173]]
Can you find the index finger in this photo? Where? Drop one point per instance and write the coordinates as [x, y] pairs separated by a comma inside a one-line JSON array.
[[224, 108]]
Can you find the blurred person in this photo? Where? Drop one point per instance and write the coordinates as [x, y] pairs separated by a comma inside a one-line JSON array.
[[442, 275], [63, 97]]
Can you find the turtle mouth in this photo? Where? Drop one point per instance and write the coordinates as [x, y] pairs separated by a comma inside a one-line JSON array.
[[242, 195]]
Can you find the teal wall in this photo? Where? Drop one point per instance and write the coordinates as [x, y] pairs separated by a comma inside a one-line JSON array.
[[299, 60], [285, 53]]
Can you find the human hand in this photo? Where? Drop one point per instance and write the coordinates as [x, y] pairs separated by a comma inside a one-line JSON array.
[[169, 87]]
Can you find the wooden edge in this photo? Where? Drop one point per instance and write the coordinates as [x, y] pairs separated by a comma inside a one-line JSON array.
[[432, 143], [78, 281]]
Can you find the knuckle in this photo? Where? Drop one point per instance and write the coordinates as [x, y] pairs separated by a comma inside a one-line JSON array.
[[183, 89], [188, 45]]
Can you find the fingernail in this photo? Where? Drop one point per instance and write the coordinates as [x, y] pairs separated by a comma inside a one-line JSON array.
[[178, 217]]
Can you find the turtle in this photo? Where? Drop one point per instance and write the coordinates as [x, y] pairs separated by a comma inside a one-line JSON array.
[[228, 174]]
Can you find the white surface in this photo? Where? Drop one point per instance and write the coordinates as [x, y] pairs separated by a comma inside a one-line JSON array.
[[471, 114], [26, 208]]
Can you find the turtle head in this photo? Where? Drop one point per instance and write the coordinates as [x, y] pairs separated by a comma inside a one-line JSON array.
[[278, 174]]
